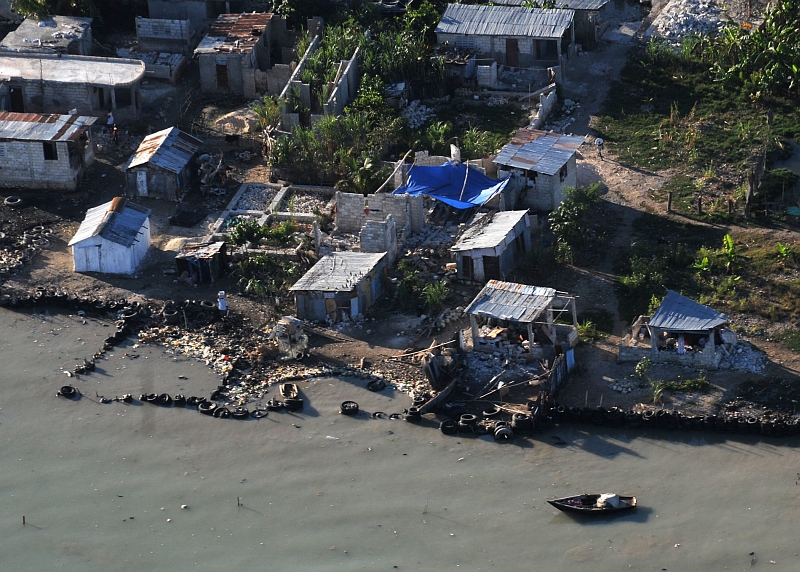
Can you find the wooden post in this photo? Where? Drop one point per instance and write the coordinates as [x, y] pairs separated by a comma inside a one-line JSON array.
[[699, 205], [669, 202], [730, 206]]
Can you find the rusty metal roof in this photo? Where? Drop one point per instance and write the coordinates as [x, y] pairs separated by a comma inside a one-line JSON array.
[[36, 127], [541, 151], [200, 251], [169, 149], [234, 33], [681, 314], [471, 20], [511, 302], [117, 221]]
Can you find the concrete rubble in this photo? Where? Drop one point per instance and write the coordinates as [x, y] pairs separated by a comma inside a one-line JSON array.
[[417, 114], [681, 18]]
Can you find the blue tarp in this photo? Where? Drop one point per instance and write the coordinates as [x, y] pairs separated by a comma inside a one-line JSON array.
[[446, 184]]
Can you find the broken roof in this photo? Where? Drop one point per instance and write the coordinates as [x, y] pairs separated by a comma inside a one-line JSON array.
[[466, 19], [541, 151], [200, 251], [169, 149], [234, 33], [52, 32], [58, 68], [338, 271], [681, 314], [117, 221], [489, 233], [511, 302], [36, 127]]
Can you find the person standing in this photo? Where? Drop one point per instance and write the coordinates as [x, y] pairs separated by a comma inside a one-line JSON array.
[[222, 304], [115, 135], [599, 142]]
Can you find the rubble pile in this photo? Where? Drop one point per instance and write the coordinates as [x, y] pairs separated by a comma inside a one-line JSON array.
[[496, 101], [436, 240], [744, 357], [623, 386], [310, 202], [256, 198], [16, 251], [417, 114], [681, 18]]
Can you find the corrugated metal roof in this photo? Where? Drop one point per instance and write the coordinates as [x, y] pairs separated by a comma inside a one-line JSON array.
[[681, 314], [571, 4], [36, 127], [169, 149], [511, 302], [234, 33], [338, 271], [489, 234], [117, 220], [472, 20], [540, 151]]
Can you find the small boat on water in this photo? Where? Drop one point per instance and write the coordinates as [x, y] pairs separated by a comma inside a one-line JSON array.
[[595, 504], [289, 391]]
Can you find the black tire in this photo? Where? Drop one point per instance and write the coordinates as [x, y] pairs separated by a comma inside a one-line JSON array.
[[127, 398], [376, 385], [105, 400], [466, 428], [240, 413], [164, 400], [395, 416], [348, 408], [503, 433], [13, 201], [468, 419], [179, 400], [259, 413], [379, 415], [492, 412], [68, 392], [448, 427], [293, 403], [413, 415], [274, 405], [206, 407], [194, 401], [150, 398], [222, 412], [207, 305], [521, 423]]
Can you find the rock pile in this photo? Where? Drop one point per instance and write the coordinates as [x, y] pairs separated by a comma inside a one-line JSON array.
[[681, 18], [417, 114], [745, 357], [256, 198]]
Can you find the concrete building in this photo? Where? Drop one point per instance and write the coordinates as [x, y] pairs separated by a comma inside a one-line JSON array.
[[168, 36], [43, 83], [51, 35], [341, 286], [520, 319], [112, 239], [512, 36], [162, 165], [681, 332], [235, 48], [199, 12], [44, 151], [542, 164], [492, 246]]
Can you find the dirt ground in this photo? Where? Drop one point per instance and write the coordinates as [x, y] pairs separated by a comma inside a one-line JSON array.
[[385, 332]]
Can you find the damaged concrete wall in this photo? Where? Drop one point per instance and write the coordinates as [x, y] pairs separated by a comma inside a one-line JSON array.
[[171, 36], [353, 211], [380, 236], [346, 86]]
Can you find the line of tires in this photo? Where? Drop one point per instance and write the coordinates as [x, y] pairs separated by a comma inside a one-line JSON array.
[[769, 425]]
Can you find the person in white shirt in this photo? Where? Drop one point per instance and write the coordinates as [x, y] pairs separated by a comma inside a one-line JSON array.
[[222, 304], [599, 142]]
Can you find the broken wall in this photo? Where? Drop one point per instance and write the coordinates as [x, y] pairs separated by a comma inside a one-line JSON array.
[[354, 210], [380, 236]]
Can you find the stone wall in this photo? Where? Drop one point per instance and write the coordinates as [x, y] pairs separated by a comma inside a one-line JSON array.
[[171, 36], [487, 75]]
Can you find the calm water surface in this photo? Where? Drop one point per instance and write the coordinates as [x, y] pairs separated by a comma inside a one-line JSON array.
[[101, 486]]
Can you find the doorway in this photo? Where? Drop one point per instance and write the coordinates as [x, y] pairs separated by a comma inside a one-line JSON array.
[[512, 53], [17, 99], [491, 268], [222, 74]]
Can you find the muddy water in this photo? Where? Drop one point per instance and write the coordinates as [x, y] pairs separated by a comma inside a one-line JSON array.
[[101, 486]]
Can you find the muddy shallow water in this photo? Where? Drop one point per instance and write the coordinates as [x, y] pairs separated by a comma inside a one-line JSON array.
[[101, 485]]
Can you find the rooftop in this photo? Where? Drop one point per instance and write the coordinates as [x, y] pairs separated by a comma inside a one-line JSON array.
[[541, 151], [234, 33], [54, 32], [489, 233], [338, 271], [57, 68], [117, 221], [200, 251], [36, 127], [511, 302], [473, 20], [571, 4], [169, 149], [679, 313]]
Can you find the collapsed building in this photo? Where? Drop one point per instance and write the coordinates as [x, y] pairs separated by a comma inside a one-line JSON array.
[[491, 247]]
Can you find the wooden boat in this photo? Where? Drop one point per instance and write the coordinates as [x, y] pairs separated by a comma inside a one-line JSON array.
[[289, 391], [588, 504]]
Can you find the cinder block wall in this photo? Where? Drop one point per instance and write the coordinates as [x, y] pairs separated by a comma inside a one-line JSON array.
[[350, 216], [379, 236], [158, 35], [24, 165]]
